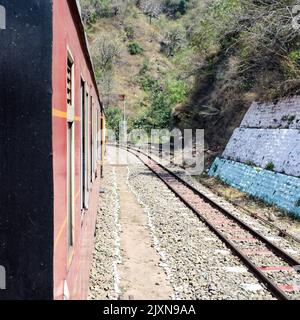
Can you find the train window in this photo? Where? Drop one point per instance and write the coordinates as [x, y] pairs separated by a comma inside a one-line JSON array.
[[83, 147], [87, 144], [70, 185], [70, 150], [91, 141], [98, 136], [70, 82]]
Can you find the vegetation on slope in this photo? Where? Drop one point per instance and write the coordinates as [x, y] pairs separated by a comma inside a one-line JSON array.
[[195, 63]]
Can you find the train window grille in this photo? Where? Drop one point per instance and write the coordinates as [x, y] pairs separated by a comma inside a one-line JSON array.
[[70, 152], [70, 186], [69, 82], [83, 147]]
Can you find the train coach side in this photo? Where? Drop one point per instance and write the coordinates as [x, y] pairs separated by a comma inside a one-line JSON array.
[[51, 131], [77, 114]]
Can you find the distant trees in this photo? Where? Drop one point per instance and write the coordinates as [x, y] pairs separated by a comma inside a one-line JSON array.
[[88, 11], [151, 8], [105, 51], [92, 9]]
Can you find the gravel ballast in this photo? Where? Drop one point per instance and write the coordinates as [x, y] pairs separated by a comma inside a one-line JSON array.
[[197, 264]]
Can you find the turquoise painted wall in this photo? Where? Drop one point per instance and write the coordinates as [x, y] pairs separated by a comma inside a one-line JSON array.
[[272, 187]]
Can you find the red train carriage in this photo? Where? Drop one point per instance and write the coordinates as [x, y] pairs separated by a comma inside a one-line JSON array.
[[51, 130]]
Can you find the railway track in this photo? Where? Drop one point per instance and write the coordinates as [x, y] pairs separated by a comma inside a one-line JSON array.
[[281, 231], [273, 267]]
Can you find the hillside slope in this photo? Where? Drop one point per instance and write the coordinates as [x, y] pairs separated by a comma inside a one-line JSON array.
[[200, 67], [128, 67]]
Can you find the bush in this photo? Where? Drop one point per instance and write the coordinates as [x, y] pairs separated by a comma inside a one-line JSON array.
[[270, 166], [173, 42], [129, 32], [176, 8], [145, 67], [177, 91], [134, 48]]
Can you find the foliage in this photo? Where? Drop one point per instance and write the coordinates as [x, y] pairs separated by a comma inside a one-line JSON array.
[[105, 51], [176, 90], [163, 96], [173, 41], [219, 56], [130, 34], [135, 48], [91, 10], [151, 8], [270, 166], [245, 50], [145, 67], [176, 8], [114, 117]]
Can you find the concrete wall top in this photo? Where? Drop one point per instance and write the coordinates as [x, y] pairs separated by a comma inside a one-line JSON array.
[[283, 114]]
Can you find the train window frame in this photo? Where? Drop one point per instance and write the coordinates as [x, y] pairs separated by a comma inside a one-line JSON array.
[[91, 139], [87, 140], [83, 162], [70, 156]]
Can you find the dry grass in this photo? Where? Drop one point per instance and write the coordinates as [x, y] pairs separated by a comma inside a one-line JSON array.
[[248, 203]]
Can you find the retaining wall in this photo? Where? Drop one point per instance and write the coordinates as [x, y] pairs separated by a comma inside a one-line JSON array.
[[281, 147], [283, 114], [272, 187]]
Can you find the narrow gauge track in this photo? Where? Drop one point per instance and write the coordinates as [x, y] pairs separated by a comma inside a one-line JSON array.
[[248, 244], [252, 214]]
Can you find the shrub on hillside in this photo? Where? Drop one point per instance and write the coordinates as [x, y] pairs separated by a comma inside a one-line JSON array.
[[134, 48], [176, 8], [173, 41]]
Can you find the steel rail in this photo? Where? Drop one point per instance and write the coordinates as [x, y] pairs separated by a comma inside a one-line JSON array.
[[283, 233], [277, 292]]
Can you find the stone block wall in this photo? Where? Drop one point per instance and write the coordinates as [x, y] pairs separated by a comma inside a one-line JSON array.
[[272, 187], [262, 147], [262, 157], [284, 114]]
